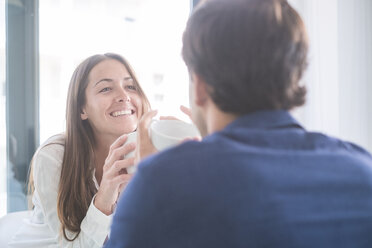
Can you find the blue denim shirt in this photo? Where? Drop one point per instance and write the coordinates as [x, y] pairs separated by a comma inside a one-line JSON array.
[[263, 181]]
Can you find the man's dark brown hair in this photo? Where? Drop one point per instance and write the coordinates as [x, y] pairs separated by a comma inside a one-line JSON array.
[[252, 53]]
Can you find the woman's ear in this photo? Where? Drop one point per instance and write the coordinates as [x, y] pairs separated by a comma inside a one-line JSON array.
[[83, 115]]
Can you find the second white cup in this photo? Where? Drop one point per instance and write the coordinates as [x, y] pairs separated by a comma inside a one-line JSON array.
[[167, 133], [132, 137]]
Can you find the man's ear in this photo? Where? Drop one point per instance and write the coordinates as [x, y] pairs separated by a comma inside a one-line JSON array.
[[83, 115], [200, 89]]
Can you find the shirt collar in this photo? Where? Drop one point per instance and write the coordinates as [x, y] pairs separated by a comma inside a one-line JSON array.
[[266, 119]]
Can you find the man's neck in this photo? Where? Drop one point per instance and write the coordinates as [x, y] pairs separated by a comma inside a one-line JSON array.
[[217, 119]]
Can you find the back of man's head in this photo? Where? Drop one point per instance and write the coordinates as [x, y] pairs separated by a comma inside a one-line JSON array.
[[252, 53]]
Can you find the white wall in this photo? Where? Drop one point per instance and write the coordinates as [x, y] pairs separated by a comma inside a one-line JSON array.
[[355, 70], [339, 78]]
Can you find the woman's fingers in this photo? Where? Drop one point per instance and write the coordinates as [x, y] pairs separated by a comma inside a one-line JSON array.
[[109, 191], [118, 166], [168, 118], [186, 110], [122, 179], [197, 138], [119, 142], [118, 154], [124, 182]]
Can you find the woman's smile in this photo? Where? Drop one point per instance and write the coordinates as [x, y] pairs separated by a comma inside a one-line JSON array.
[[122, 113]]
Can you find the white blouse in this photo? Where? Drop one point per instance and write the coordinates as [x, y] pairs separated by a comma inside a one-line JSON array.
[[42, 229]]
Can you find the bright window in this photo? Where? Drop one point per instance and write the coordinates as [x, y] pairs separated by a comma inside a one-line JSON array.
[[3, 173], [148, 33]]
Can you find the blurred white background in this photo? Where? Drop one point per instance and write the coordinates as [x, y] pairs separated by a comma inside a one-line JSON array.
[[148, 33], [339, 76]]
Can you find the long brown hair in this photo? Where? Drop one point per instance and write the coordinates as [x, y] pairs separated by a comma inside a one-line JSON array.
[[76, 187]]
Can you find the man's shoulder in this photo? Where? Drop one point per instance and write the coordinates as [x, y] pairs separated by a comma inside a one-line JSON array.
[[219, 148], [186, 152], [337, 146]]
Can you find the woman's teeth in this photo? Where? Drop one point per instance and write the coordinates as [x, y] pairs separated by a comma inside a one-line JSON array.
[[123, 112]]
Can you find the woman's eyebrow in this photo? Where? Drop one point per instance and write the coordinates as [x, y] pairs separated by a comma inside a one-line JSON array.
[[110, 80], [103, 80]]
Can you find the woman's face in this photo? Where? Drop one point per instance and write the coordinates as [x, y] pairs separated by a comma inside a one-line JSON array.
[[113, 104]]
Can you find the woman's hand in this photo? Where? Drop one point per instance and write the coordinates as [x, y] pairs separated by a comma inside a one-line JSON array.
[[113, 179], [186, 111], [144, 143]]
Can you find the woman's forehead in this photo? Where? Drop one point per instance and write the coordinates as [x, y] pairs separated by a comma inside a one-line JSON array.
[[109, 68]]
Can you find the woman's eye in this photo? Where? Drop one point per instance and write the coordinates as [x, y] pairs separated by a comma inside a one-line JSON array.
[[105, 89], [131, 87]]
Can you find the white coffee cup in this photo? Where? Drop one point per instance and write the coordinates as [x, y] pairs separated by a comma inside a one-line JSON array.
[[132, 137], [167, 133]]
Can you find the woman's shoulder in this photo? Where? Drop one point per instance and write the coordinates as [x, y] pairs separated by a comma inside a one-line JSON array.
[[47, 160], [58, 139], [54, 142], [51, 150]]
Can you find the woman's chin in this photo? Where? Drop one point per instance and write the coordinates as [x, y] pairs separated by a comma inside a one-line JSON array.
[[126, 130]]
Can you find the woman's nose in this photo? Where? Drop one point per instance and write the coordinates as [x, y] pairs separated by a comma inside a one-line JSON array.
[[123, 96]]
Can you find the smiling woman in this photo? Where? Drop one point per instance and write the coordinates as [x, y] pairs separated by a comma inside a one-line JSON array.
[[113, 100], [75, 176]]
